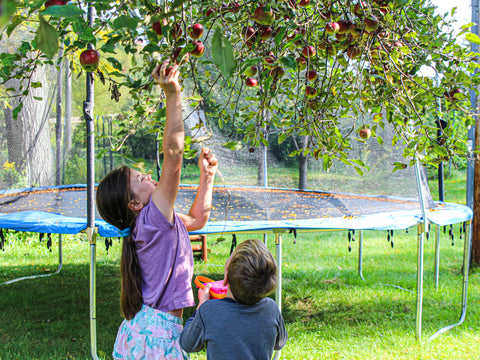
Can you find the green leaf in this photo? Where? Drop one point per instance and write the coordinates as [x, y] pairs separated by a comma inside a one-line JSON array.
[[46, 38], [125, 22], [115, 63], [233, 145], [177, 3], [64, 11], [223, 57], [17, 110], [473, 38], [36, 84]]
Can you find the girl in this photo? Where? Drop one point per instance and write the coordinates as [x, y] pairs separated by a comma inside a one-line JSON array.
[[157, 260]]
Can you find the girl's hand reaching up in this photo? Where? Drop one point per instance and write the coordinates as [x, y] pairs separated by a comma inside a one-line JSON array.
[[167, 77]]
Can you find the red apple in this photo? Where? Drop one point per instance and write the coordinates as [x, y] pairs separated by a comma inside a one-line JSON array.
[[277, 72], [265, 32], [343, 26], [341, 36], [176, 31], [331, 28], [89, 59], [452, 95], [359, 8], [311, 75], [248, 33], [209, 12], [353, 51], [270, 58], [303, 3], [54, 2], [195, 31], [264, 15], [198, 50], [371, 23], [309, 51], [251, 82], [311, 92], [365, 133], [314, 104]]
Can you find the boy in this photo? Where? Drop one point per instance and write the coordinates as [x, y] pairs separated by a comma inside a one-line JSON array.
[[245, 324]]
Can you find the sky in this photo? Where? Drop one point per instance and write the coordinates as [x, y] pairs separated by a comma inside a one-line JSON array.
[[464, 10]]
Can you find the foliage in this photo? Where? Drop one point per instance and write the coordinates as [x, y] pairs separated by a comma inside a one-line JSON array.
[[10, 177], [368, 75]]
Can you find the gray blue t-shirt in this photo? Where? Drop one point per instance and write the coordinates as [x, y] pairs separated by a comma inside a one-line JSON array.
[[166, 260], [231, 330]]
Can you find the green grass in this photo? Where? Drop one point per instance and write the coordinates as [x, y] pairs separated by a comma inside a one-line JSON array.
[[330, 313]]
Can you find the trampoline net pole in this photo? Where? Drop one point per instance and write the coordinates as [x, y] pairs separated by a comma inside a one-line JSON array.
[[93, 292], [418, 320]]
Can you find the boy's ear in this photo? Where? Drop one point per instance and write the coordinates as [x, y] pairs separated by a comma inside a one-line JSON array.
[[225, 280], [135, 205]]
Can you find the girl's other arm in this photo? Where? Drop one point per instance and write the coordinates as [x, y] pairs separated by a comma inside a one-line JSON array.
[[199, 212]]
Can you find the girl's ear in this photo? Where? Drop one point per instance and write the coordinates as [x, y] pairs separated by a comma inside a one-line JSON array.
[[225, 280], [135, 205]]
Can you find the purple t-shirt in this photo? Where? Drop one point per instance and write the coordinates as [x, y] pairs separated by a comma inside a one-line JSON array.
[[166, 260]]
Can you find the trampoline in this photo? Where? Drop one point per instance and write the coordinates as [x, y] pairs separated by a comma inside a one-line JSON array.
[[242, 209]]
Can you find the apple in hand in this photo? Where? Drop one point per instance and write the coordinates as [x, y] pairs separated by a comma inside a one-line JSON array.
[[365, 133], [89, 59], [195, 31], [198, 50]]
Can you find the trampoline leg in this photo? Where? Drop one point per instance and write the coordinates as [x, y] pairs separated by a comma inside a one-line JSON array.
[[437, 257], [466, 264], [93, 292], [420, 240], [278, 291], [360, 255], [60, 264]]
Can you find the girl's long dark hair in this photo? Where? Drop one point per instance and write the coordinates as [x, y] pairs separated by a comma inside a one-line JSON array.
[[113, 196]]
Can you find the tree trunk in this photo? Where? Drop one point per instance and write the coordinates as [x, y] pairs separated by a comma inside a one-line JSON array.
[[58, 125], [67, 131], [303, 166], [28, 137]]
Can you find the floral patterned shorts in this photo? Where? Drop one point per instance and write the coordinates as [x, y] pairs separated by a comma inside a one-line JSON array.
[[151, 334]]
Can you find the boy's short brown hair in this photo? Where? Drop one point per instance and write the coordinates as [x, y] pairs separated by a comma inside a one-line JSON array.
[[252, 272]]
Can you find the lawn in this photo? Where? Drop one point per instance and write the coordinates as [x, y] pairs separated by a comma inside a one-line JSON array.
[[329, 311]]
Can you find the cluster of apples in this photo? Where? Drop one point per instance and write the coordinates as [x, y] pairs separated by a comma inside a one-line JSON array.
[[175, 31]]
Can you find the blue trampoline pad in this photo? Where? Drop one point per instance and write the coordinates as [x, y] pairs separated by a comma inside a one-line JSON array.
[[62, 209]]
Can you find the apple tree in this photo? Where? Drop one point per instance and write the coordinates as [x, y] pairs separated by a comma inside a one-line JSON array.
[[307, 69]]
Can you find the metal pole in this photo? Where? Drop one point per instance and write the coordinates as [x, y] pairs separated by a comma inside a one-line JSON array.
[[90, 130], [360, 255], [437, 257], [466, 264], [418, 320], [278, 291], [473, 102]]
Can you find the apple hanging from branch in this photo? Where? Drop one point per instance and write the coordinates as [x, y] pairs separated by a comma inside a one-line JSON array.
[[198, 50], [89, 59], [54, 2], [195, 31]]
